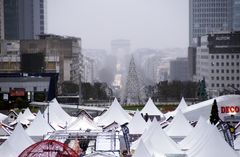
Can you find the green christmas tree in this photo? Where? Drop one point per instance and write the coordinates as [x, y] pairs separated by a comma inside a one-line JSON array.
[[214, 117], [202, 93]]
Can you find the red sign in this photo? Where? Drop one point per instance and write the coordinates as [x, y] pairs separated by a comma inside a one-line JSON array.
[[230, 109], [17, 92]]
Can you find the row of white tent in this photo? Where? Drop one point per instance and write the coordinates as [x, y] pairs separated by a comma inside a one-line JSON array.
[[152, 133]]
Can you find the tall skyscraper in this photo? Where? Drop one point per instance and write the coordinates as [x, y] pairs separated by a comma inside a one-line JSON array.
[[210, 16], [24, 19], [236, 15], [1, 20]]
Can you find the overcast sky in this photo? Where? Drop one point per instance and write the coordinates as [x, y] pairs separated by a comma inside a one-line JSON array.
[[146, 23]]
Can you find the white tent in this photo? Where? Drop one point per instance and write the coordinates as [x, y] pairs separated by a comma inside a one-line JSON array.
[[57, 116], [39, 126], [182, 106], [20, 119], [179, 127], [141, 151], [2, 117], [213, 146], [193, 112], [114, 114], [28, 114], [137, 125], [16, 143], [197, 133], [157, 142], [151, 109], [83, 123]]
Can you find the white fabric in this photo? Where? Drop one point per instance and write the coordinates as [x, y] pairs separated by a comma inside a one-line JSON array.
[[151, 109], [16, 143], [20, 119], [193, 112], [83, 123], [213, 146], [197, 133], [39, 126], [2, 117], [114, 114], [57, 116], [28, 114], [137, 125], [179, 127], [182, 106], [157, 142], [141, 151]]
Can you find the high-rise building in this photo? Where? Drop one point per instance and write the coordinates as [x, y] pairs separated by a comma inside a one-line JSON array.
[[1, 20], [24, 19], [218, 61], [236, 15], [179, 70], [209, 16]]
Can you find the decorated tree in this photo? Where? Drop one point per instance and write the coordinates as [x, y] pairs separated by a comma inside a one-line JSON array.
[[214, 117], [202, 93]]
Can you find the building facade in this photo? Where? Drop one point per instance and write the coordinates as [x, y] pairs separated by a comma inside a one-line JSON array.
[[210, 16], [1, 20], [179, 70], [24, 19], [218, 61], [61, 54], [236, 15]]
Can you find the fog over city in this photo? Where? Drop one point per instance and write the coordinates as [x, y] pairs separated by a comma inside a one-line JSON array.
[[156, 24]]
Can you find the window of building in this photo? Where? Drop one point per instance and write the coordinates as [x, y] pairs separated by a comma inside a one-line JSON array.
[[212, 56], [222, 85], [213, 85], [238, 85], [222, 71], [227, 78], [222, 56], [222, 78], [237, 77], [232, 63], [227, 71], [217, 64], [232, 78], [237, 63], [237, 70], [232, 70], [217, 85], [212, 71], [217, 71], [227, 56], [217, 78], [232, 56], [217, 57], [212, 77], [222, 64], [237, 56]]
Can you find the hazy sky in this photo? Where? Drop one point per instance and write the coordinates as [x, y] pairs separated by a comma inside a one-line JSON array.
[[147, 23]]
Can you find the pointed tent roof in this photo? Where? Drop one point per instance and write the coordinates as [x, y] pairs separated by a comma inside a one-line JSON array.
[[158, 142], [141, 150], [151, 109], [35, 130], [83, 123], [179, 127], [137, 125], [21, 118], [28, 114], [114, 113], [208, 148], [181, 106], [195, 135], [57, 116], [16, 143]]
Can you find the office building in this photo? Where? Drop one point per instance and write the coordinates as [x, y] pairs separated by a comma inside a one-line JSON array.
[[24, 19], [218, 61], [209, 16], [236, 15], [1, 20], [179, 70]]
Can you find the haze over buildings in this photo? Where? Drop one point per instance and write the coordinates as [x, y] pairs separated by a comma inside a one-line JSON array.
[[146, 23]]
